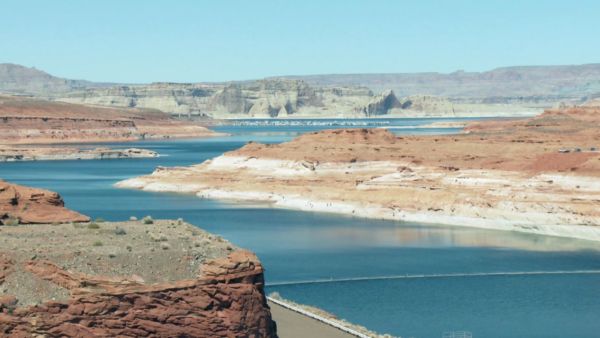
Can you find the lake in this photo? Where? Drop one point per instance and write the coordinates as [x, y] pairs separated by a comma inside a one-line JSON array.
[[303, 246]]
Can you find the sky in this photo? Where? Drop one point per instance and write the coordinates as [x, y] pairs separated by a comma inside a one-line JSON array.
[[131, 41]]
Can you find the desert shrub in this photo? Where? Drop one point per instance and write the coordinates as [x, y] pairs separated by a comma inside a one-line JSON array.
[[93, 226], [77, 225], [97, 243], [157, 238], [133, 218], [229, 247], [120, 231], [197, 244], [275, 295], [129, 248], [112, 255], [219, 238], [180, 221], [55, 223], [99, 220], [165, 246], [148, 220], [12, 222]]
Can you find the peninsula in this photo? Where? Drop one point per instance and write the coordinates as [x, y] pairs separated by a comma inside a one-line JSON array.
[[8, 154], [27, 120], [497, 174]]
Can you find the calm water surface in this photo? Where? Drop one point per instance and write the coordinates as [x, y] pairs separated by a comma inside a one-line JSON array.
[[302, 246]]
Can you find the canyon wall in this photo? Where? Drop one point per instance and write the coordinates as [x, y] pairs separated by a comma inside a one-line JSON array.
[[499, 92], [283, 98], [173, 98]]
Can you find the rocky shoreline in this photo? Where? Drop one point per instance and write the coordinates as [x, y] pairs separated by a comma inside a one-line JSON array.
[[505, 175], [70, 154]]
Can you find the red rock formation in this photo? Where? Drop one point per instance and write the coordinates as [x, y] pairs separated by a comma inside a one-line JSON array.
[[31, 205], [24, 120], [227, 300]]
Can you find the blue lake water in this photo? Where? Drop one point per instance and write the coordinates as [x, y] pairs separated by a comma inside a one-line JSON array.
[[303, 246]]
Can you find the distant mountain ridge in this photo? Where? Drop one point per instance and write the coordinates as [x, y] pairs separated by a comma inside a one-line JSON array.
[[24, 81], [507, 81], [500, 92]]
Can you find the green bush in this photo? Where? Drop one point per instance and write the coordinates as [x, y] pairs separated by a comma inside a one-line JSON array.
[[165, 246], [148, 220], [93, 226], [77, 225], [120, 231], [97, 243], [55, 223], [99, 220], [12, 223]]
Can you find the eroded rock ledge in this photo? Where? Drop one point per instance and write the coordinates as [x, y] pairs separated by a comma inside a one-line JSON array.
[[59, 154], [130, 279], [21, 205], [505, 175]]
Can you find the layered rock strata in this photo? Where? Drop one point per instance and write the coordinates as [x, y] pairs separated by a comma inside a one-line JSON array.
[[505, 174], [24, 120], [19, 204], [284, 98], [63, 154], [181, 282]]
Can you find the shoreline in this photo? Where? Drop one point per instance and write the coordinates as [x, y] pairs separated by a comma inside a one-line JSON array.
[[71, 154], [527, 114], [373, 212]]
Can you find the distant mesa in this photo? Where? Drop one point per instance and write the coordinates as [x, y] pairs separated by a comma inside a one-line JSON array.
[[499, 92]]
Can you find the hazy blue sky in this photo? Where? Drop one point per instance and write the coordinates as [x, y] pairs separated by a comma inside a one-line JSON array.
[[193, 41]]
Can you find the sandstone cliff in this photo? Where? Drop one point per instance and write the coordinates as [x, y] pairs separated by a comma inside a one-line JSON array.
[[24, 120], [22, 205], [172, 98], [117, 281], [505, 174]]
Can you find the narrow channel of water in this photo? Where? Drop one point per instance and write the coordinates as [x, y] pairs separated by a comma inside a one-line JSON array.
[[300, 246]]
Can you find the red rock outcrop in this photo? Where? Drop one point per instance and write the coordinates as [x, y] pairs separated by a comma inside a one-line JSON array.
[[32, 205], [24, 120], [49, 295], [226, 301]]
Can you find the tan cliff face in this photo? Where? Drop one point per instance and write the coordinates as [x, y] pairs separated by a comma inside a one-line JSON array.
[[503, 174], [283, 98], [261, 99], [188, 283], [23, 205], [172, 98], [24, 120]]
